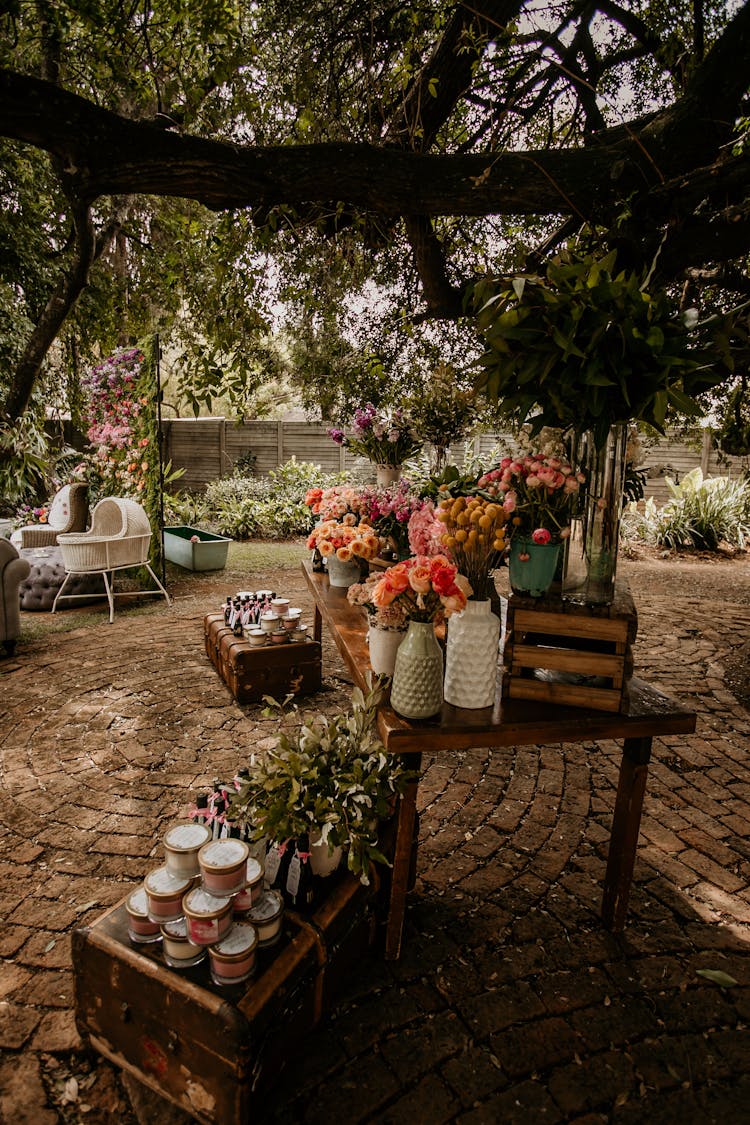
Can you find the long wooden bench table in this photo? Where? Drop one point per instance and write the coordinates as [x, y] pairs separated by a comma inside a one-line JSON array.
[[511, 722]]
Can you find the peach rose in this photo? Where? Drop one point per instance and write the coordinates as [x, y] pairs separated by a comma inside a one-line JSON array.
[[420, 579]]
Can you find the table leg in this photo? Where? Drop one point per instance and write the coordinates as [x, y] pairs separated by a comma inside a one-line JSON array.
[[631, 786], [317, 624], [405, 820]]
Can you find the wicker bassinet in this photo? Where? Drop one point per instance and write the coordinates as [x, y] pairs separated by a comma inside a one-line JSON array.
[[119, 536]]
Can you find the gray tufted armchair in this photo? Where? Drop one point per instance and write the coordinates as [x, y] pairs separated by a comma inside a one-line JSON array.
[[13, 570]]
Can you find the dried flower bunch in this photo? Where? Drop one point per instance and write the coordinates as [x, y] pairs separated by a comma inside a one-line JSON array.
[[346, 540], [474, 536]]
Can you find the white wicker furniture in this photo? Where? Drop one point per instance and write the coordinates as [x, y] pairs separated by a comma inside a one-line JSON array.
[[119, 538]]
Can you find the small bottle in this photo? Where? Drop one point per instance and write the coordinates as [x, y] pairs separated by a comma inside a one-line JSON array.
[[227, 609], [317, 561], [218, 820], [201, 808]]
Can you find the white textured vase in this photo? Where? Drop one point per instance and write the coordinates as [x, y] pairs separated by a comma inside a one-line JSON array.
[[322, 861], [383, 645], [342, 574], [471, 656], [417, 688]]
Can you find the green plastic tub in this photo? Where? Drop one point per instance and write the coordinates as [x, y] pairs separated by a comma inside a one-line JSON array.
[[194, 549]]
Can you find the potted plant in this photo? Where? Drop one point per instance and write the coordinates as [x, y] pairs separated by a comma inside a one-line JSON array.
[[587, 348], [329, 779]]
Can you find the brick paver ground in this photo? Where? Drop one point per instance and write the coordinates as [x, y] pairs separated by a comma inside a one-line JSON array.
[[510, 1003]]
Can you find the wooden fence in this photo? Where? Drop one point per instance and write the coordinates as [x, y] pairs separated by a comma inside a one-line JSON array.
[[208, 448]]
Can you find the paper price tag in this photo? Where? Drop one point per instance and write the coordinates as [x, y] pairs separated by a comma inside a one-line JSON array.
[[292, 879], [273, 860]]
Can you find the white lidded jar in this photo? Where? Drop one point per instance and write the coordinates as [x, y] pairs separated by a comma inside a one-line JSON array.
[[165, 892], [266, 915], [245, 899], [233, 958], [208, 918], [140, 927], [223, 865], [182, 842], [178, 950]]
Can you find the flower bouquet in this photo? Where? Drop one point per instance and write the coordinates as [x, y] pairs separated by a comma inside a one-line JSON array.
[[383, 437], [427, 589], [390, 511], [336, 502], [27, 514], [390, 617], [537, 493], [346, 540], [474, 536]]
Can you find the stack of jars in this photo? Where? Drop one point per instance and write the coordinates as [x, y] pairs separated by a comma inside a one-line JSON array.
[[209, 899]]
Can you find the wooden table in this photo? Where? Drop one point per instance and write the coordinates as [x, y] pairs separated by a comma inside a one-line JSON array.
[[510, 722]]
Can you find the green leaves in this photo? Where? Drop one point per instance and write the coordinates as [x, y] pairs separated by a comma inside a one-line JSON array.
[[583, 347]]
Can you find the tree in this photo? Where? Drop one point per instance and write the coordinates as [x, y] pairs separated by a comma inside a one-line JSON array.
[[424, 129]]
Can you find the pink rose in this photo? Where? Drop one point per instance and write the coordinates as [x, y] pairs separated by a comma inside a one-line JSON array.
[[541, 536]]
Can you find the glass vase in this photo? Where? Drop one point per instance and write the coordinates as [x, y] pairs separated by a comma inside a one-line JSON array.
[[590, 566], [417, 688], [383, 645], [471, 656], [532, 566]]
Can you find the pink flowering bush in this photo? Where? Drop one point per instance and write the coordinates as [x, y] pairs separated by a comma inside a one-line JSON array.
[[118, 426], [538, 494]]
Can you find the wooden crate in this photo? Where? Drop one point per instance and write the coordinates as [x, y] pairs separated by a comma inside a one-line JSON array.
[[216, 1052], [250, 672], [576, 656]]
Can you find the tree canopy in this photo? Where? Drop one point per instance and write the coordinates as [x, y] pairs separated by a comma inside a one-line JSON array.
[[420, 146]]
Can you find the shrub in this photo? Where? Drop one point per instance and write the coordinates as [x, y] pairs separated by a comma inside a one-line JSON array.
[[701, 514], [271, 507]]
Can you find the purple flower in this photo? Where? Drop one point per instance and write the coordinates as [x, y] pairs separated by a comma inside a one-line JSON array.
[[336, 435]]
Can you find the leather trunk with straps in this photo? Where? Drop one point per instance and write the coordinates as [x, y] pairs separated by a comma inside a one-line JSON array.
[[250, 673]]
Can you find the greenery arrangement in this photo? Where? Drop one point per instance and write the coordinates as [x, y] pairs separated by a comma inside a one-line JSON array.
[[582, 347], [327, 776]]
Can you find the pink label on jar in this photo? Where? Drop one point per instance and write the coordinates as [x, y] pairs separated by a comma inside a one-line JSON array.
[[203, 931]]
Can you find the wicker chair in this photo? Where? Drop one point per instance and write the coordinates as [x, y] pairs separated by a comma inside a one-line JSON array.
[[68, 513], [119, 539]]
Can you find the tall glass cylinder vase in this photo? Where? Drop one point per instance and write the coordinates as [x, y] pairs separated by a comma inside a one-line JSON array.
[[417, 688], [471, 656], [590, 565]]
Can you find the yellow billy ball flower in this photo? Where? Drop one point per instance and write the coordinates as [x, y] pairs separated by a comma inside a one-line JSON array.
[[499, 544], [462, 519], [461, 535], [485, 521]]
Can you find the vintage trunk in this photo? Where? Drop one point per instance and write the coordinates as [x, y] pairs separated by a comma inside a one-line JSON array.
[[577, 656], [250, 672], [216, 1052]]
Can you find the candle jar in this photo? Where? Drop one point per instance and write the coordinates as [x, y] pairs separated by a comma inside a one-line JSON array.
[[233, 959], [245, 899], [140, 927], [178, 950], [269, 622], [165, 892], [208, 918], [182, 842], [223, 865], [266, 915], [280, 606]]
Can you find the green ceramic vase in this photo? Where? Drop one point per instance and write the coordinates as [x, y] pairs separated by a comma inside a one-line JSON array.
[[532, 566]]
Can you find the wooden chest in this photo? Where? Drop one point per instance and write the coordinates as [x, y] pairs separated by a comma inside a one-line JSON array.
[[216, 1052], [250, 672], [577, 656]]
